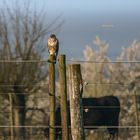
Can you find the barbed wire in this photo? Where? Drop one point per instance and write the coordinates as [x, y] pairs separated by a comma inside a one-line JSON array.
[[68, 60], [12, 85], [92, 61], [57, 126], [85, 84], [58, 96], [23, 61], [74, 61], [84, 107], [113, 83], [26, 93]]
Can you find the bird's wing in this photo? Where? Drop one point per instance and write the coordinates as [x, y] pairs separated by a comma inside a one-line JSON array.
[[57, 47]]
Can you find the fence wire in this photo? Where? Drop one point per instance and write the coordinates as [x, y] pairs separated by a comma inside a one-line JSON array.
[[44, 98], [68, 60]]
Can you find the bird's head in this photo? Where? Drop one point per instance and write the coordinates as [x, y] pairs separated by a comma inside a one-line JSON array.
[[52, 36]]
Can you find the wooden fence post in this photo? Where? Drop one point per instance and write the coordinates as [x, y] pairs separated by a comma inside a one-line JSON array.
[[63, 97], [52, 96], [137, 113], [11, 117], [76, 109]]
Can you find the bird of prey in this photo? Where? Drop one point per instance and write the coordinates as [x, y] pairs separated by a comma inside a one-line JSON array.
[[53, 45]]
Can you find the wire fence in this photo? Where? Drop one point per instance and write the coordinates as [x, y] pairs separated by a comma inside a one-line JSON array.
[[68, 60], [86, 83]]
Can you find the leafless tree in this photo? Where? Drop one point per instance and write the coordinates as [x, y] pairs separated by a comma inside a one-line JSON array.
[[22, 34]]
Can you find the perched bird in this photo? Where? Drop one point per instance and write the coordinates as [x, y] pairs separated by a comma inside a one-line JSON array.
[[53, 45]]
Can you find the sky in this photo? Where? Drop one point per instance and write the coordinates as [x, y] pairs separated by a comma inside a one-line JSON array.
[[115, 21]]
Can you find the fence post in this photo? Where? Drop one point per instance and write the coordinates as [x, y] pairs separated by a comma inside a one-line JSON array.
[[76, 109], [137, 114], [11, 117], [52, 96], [63, 97]]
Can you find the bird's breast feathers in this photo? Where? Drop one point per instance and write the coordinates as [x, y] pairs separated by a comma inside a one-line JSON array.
[[52, 46], [52, 50]]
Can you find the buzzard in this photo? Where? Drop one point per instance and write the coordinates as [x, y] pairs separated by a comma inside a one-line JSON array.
[[53, 45]]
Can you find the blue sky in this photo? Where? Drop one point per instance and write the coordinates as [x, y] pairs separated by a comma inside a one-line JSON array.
[[84, 19]]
